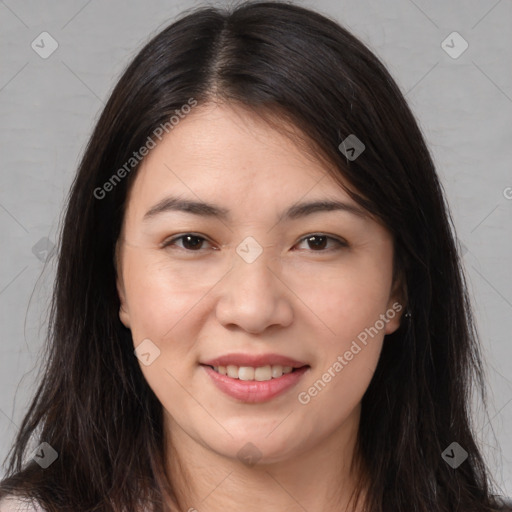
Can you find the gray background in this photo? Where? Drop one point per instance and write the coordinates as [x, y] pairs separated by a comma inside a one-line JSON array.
[[49, 106]]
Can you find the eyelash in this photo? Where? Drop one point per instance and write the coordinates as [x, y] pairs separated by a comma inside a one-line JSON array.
[[340, 243]]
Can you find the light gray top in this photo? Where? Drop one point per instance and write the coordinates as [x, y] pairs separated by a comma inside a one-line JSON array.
[[15, 504]]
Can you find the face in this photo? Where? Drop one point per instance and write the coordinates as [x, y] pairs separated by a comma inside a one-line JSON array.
[[292, 304]]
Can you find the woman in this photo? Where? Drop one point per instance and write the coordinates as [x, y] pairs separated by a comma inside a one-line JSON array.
[[259, 302]]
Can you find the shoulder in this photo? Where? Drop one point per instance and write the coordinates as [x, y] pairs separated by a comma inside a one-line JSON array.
[[13, 503]]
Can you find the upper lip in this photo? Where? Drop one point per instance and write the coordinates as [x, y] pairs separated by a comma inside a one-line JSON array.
[[254, 361]]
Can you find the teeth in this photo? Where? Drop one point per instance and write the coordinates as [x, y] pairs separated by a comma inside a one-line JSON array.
[[260, 373], [232, 371]]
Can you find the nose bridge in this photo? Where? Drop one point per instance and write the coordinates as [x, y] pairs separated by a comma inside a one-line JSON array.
[[251, 276], [253, 273], [252, 296]]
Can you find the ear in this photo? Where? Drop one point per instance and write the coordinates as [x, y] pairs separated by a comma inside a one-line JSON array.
[[397, 304], [123, 310]]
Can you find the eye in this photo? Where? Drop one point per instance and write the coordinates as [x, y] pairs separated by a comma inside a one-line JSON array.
[[317, 242], [190, 242]]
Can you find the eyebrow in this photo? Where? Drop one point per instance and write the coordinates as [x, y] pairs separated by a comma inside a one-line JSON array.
[[206, 209]]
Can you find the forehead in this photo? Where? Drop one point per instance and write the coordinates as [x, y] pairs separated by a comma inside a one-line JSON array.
[[232, 154]]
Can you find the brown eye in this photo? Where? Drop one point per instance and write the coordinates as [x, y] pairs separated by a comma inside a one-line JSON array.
[[318, 242], [190, 242]]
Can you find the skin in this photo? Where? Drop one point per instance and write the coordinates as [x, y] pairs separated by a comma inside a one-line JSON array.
[[306, 303]]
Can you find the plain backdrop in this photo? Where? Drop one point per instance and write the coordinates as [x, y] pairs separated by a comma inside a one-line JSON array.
[[48, 107]]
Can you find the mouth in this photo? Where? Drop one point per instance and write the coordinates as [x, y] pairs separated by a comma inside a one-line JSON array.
[[250, 373], [254, 383]]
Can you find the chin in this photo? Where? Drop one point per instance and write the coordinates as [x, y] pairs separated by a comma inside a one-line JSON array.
[[258, 449]]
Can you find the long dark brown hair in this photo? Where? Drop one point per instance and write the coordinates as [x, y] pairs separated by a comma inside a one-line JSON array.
[[93, 405]]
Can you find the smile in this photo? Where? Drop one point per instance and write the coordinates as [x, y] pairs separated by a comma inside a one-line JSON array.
[[261, 373], [254, 384]]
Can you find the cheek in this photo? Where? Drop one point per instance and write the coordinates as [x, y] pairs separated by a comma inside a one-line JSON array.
[[160, 295], [344, 370], [167, 309], [161, 307], [335, 392], [350, 303], [346, 299]]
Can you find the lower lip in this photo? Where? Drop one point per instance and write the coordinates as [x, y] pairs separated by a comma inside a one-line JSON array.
[[253, 391]]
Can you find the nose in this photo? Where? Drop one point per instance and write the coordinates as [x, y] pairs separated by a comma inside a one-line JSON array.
[[253, 297]]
